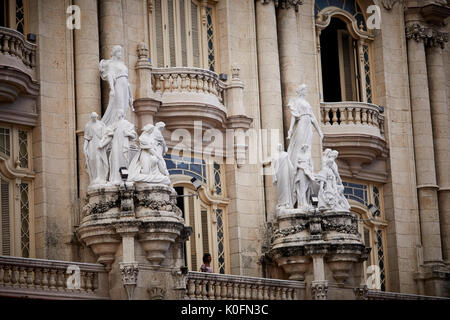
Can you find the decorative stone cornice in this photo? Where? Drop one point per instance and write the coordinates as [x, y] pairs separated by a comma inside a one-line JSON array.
[[430, 36], [284, 4]]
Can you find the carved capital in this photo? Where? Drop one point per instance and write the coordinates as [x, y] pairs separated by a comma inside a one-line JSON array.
[[130, 273], [284, 4], [389, 4], [319, 289], [430, 36]]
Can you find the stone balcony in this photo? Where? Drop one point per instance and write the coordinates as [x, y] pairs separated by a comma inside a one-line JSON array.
[[356, 130], [187, 94], [18, 78], [47, 279], [211, 286]]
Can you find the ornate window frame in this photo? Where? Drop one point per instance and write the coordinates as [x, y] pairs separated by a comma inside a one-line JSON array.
[[372, 229], [171, 40], [18, 213], [14, 10], [210, 206], [364, 40]]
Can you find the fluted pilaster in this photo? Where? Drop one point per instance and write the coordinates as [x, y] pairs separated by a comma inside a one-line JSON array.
[[441, 133], [423, 143], [87, 88]]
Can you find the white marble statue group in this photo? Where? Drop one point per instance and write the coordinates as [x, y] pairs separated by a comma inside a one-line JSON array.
[[107, 142], [293, 170]]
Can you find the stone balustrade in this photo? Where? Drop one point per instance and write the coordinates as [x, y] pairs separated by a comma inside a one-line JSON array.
[[36, 278], [352, 114], [381, 295], [210, 286], [13, 44], [183, 80]]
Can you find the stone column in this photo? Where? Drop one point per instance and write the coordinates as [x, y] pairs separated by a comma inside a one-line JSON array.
[[289, 50], [269, 88], [423, 144], [111, 34], [87, 86], [441, 133]]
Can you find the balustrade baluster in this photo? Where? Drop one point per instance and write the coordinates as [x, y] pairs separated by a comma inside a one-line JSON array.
[[199, 83], [89, 278], [327, 116], [229, 291], [15, 276], [198, 289], [2, 274], [191, 289], [52, 279], [283, 293], [60, 279], [334, 120], [260, 293], [357, 115], [183, 82], [5, 48], [343, 116], [218, 290], [248, 291], [211, 291], [242, 291], [22, 277], [193, 84], [6, 275], [223, 291], [364, 116]]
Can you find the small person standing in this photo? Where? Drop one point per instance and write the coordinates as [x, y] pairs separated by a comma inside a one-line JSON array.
[[206, 266]]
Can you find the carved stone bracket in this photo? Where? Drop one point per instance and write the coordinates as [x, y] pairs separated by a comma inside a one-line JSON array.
[[361, 292], [156, 293], [430, 36], [130, 273], [319, 289]]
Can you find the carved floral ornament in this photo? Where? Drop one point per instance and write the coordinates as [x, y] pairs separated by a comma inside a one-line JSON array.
[[430, 36]]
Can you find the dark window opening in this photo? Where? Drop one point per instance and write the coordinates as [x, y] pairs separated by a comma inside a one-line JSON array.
[[340, 71]]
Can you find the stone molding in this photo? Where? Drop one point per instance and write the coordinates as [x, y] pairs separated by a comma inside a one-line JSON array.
[[430, 36]]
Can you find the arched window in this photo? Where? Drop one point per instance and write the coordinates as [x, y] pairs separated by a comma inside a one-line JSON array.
[[14, 15], [182, 34], [366, 202], [16, 188], [345, 51], [205, 212]]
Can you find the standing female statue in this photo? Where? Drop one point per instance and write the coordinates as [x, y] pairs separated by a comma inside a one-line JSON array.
[[116, 73], [300, 135], [117, 138]]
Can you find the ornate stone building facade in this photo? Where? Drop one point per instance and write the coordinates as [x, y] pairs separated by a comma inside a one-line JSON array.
[[378, 76]]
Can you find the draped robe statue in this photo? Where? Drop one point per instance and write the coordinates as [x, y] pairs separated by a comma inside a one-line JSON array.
[[120, 97], [282, 168], [300, 145], [96, 159], [331, 192], [148, 165], [117, 138]]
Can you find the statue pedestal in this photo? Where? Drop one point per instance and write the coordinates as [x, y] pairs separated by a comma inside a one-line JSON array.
[[137, 231], [318, 247]]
